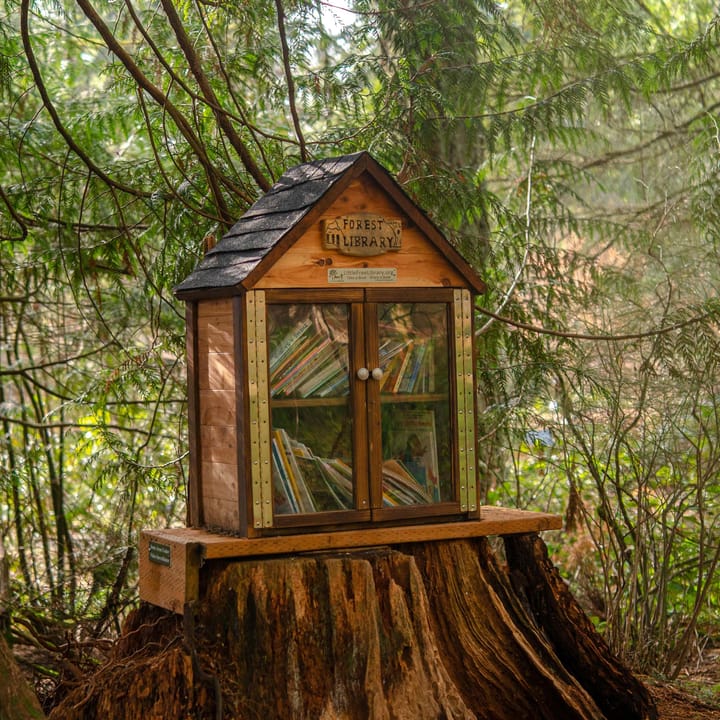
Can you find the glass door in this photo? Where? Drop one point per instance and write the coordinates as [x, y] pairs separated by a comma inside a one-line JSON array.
[[316, 460], [414, 458], [361, 407], [415, 403]]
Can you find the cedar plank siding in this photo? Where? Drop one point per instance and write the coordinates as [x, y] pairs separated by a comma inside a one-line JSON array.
[[218, 464]]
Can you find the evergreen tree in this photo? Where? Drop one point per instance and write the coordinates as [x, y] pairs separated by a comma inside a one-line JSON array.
[[568, 149]]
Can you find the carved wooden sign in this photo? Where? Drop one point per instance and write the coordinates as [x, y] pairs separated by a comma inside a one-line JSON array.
[[363, 234]]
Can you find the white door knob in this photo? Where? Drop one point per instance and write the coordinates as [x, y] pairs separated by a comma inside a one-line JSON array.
[[363, 373], [377, 373]]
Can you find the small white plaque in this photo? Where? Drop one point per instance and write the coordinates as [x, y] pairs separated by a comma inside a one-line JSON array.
[[362, 275]]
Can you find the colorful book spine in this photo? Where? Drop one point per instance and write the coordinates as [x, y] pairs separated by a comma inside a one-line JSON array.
[[287, 345], [303, 367], [322, 373], [403, 367], [409, 382], [282, 478], [296, 480]]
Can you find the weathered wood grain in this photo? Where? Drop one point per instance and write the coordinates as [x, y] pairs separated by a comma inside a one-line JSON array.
[[426, 630]]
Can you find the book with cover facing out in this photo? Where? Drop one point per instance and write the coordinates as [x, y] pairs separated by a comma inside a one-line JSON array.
[[414, 442]]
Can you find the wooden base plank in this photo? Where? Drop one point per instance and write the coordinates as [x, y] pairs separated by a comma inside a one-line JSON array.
[[170, 559], [169, 569]]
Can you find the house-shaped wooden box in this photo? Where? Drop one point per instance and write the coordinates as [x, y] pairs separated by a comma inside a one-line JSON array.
[[330, 348], [331, 377]]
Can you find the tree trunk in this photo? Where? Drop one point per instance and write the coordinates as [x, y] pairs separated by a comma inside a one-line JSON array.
[[424, 631], [570, 631], [17, 699]]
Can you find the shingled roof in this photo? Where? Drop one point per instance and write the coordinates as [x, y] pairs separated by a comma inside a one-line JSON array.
[[283, 214]]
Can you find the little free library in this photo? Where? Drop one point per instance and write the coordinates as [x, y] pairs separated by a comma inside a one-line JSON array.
[[331, 382]]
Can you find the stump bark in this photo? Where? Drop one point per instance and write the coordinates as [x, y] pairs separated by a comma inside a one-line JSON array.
[[17, 699], [424, 631]]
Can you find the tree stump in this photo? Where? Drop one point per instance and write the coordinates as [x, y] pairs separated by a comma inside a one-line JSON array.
[[423, 631], [17, 699]]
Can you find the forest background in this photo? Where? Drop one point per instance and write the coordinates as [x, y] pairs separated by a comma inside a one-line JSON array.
[[569, 149]]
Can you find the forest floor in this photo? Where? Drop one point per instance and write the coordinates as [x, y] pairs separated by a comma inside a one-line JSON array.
[[695, 696], [696, 693], [676, 704]]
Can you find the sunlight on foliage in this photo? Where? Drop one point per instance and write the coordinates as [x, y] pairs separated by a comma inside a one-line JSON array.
[[569, 150]]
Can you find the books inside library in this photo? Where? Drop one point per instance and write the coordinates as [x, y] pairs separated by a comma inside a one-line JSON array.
[[330, 362], [312, 413]]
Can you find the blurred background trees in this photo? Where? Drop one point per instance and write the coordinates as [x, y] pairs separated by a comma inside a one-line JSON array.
[[570, 150]]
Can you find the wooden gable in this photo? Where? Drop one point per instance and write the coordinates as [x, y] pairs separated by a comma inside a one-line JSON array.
[[305, 264]]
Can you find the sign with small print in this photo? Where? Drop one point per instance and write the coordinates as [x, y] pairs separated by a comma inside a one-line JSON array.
[[159, 553], [362, 275], [362, 235]]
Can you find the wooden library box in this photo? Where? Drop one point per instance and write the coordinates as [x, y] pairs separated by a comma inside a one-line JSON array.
[[330, 349], [331, 377]]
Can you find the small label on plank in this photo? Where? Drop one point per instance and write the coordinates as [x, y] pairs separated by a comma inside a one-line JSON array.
[[159, 553]]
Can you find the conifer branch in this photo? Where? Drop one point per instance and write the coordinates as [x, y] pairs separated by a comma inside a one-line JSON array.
[[15, 216], [540, 330], [52, 111], [289, 79], [523, 263], [162, 100], [203, 82]]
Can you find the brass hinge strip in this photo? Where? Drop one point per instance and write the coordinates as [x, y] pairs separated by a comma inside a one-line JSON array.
[[465, 399], [260, 467]]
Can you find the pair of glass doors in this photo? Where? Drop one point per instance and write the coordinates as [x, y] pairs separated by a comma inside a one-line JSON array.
[[362, 388]]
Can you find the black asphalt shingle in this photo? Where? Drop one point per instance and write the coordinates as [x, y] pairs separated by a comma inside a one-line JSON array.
[[265, 224]]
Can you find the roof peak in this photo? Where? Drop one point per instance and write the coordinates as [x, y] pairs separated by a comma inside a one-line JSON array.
[[283, 213]]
